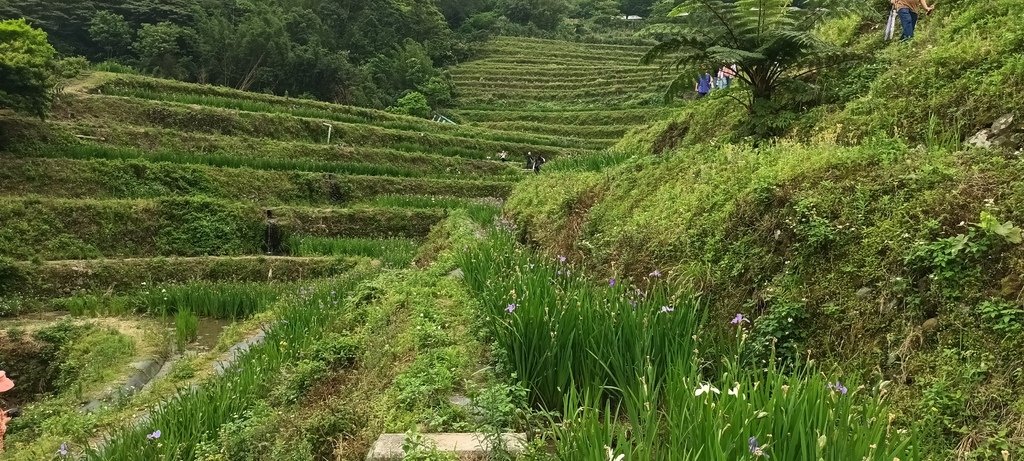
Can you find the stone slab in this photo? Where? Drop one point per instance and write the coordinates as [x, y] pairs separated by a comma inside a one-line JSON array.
[[465, 445]]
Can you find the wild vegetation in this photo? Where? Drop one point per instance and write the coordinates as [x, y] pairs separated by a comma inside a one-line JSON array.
[[866, 237], [809, 264], [632, 373]]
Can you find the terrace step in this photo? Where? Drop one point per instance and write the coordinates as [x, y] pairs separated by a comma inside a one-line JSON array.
[[466, 446], [70, 277], [470, 142], [56, 229], [139, 178], [158, 141]]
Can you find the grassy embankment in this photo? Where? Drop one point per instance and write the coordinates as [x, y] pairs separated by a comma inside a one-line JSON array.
[[150, 208], [843, 241]]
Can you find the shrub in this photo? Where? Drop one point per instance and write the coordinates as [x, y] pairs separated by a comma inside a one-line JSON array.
[[413, 103]]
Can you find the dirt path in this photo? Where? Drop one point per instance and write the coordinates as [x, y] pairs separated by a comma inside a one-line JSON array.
[[86, 83]]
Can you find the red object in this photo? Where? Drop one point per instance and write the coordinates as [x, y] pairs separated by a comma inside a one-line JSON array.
[[5, 383]]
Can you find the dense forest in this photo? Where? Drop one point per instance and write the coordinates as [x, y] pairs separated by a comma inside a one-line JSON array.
[[363, 52]]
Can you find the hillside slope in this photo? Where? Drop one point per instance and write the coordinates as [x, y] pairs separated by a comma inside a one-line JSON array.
[[869, 238]]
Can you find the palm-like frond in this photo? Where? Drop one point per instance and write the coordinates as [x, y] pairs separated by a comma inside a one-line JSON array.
[[770, 40]]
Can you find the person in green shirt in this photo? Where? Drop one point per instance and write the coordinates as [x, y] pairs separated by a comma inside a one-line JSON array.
[[908, 13]]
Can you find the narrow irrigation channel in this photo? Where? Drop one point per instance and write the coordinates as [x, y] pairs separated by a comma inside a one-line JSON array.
[[636, 370], [177, 428]]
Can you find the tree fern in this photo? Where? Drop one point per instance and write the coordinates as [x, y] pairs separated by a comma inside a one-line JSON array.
[[771, 42]]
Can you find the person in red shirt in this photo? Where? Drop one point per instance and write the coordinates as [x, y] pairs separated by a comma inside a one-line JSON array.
[[5, 385], [907, 10]]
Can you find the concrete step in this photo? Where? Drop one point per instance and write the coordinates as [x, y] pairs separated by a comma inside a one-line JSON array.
[[466, 446]]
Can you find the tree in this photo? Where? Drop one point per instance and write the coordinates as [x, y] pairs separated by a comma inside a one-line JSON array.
[[111, 32], [638, 7], [458, 11], [772, 43], [160, 50], [27, 67], [600, 10], [545, 14]]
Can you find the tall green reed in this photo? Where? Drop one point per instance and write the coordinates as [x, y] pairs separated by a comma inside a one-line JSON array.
[[392, 252], [186, 327], [635, 373], [194, 416], [219, 300], [559, 333]]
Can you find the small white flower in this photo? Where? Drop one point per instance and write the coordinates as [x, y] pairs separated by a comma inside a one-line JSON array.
[[735, 391], [706, 389], [611, 454]]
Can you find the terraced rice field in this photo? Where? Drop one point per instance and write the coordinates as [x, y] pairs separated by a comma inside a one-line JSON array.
[[146, 214], [550, 88]]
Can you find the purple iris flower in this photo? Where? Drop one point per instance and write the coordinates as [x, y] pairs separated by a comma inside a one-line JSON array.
[[63, 450], [561, 258], [155, 435], [611, 282], [755, 448], [511, 308], [839, 387], [655, 274], [739, 319]]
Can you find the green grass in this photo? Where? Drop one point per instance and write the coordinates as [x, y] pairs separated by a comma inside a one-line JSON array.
[[92, 151], [59, 364], [520, 72], [542, 101], [501, 82], [186, 327], [156, 90], [233, 301], [808, 227], [603, 132], [141, 178], [194, 416], [593, 162], [482, 212], [392, 252], [541, 44], [440, 162], [126, 276], [567, 117], [52, 229], [282, 127], [625, 364]]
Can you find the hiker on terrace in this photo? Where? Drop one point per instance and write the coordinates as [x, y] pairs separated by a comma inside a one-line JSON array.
[[503, 156], [725, 76], [703, 86], [530, 161], [908, 13], [538, 162], [5, 385]]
